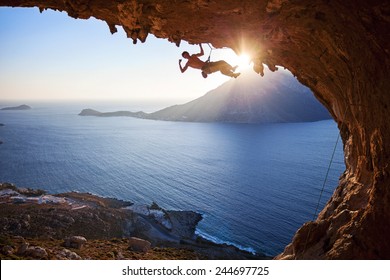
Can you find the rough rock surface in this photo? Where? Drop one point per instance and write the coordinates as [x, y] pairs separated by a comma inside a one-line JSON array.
[[36, 252], [76, 242], [340, 49], [31, 220], [139, 245], [66, 254]]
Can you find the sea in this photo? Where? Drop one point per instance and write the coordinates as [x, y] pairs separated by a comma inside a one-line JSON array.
[[254, 184]]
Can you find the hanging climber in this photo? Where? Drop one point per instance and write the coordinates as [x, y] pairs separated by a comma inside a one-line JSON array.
[[207, 67]]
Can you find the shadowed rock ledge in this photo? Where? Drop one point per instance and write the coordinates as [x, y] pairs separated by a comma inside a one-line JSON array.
[[339, 49]]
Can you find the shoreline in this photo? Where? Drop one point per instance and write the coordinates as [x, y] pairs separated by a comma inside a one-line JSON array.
[[31, 213], [216, 240]]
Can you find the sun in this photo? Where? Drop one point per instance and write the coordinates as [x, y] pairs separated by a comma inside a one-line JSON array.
[[243, 61]]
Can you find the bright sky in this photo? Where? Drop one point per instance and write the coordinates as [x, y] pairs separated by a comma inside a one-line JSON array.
[[51, 56]]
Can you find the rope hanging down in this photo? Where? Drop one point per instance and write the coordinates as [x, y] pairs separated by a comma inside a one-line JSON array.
[[330, 163], [326, 177]]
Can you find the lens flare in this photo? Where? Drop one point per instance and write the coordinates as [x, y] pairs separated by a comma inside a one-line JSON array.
[[243, 61]]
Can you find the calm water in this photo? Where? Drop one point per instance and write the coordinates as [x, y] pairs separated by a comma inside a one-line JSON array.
[[255, 184]]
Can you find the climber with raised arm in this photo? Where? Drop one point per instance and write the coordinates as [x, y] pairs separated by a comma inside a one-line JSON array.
[[207, 67]]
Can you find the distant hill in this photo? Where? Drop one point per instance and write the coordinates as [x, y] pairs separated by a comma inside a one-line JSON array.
[[91, 112], [276, 97], [20, 107]]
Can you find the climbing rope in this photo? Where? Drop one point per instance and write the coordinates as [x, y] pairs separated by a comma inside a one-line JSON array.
[[211, 50], [326, 178]]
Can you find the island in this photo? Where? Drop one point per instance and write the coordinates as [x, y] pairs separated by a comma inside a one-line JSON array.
[[276, 98], [38, 225], [91, 112], [20, 107]]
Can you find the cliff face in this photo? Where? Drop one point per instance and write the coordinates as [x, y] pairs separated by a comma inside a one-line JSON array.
[[340, 49]]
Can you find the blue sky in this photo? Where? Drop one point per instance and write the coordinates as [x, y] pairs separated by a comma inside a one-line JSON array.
[[50, 56]]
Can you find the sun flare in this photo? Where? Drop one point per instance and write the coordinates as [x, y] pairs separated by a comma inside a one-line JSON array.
[[242, 61]]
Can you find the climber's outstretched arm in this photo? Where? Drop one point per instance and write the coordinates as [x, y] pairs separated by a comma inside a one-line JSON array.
[[183, 69]]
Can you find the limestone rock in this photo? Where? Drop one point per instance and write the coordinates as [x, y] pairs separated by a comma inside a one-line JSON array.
[[7, 250], [339, 49], [139, 245], [36, 252], [22, 248], [119, 256], [184, 223], [66, 254], [76, 242]]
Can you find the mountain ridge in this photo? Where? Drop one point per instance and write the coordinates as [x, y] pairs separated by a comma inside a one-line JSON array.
[[276, 98]]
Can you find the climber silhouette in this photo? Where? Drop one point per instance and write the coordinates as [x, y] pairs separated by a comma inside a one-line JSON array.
[[207, 67]]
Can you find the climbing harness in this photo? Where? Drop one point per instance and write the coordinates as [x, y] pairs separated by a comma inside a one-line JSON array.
[[207, 68], [326, 177], [211, 67]]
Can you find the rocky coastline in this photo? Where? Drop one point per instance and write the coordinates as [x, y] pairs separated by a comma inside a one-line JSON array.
[[38, 225]]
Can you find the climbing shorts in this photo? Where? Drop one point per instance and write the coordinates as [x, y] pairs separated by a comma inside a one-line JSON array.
[[211, 67]]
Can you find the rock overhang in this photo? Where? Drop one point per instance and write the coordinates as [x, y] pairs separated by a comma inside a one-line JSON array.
[[339, 49]]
